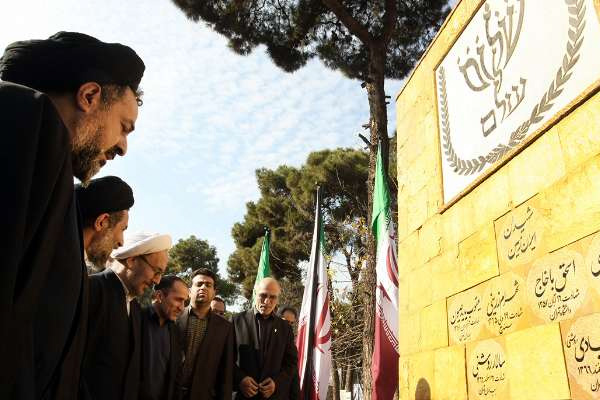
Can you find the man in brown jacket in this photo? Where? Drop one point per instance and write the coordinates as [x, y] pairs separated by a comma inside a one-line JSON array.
[[207, 370]]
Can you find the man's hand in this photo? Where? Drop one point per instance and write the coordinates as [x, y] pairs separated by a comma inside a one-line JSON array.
[[249, 387], [267, 388]]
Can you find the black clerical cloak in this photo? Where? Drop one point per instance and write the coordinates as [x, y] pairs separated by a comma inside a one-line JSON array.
[[43, 285]]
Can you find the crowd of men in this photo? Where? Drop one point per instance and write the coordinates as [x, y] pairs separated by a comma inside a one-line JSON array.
[[72, 324]]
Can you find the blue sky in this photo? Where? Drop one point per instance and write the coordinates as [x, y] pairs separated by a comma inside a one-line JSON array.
[[210, 117]]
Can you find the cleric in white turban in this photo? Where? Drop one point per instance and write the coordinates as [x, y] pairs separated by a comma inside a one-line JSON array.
[[113, 352], [141, 243]]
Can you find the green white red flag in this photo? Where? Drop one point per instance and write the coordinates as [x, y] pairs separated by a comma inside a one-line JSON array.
[[314, 323], [384, 367]]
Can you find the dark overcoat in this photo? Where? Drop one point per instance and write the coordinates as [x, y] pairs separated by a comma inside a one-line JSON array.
[[213, 368], [281, 363], [113, 353], [44, 282], [175, 357]]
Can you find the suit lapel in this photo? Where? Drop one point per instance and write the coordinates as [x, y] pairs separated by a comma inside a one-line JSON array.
[[251, 325]]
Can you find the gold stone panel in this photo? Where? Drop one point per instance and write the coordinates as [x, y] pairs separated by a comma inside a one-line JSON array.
[[536, 167], [572, 206], [580, 133], [536, 366], [477, 257], [434, 331], [450, 381], [419, 288], [421, 375]]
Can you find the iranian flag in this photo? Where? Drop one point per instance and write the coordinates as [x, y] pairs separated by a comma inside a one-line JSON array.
[[314, 327], [384, 367]]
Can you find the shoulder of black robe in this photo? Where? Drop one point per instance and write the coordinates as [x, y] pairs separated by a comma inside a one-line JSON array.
[[41, 293], [113, 354]]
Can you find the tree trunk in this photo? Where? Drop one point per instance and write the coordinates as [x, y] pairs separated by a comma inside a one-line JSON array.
[[336, 379], [349, 379], [378, 127]]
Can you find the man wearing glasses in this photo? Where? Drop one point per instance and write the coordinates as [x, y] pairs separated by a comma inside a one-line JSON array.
[[111, 367], [266, 356]]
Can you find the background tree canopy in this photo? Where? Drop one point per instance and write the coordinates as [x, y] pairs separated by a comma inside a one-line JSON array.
[[286, 206]]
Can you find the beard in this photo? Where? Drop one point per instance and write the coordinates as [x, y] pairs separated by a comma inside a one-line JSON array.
[[86, 148], [98, 252]]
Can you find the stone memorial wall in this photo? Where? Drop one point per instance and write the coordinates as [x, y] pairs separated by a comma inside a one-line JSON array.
[[500, 261]]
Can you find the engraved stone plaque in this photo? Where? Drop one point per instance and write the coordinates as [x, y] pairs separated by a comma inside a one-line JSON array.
[[557, 285], [581, 345], [465, 316], [504, 303], [520, 236], [486, 371], [515, 66], [592, 263]]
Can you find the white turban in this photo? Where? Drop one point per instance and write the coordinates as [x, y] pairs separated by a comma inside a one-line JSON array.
[[142, 243]]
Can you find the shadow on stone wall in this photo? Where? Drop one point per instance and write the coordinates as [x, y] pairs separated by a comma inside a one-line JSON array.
[[423, 391]]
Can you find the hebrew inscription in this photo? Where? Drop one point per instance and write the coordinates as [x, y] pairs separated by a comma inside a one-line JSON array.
[[516, 65]]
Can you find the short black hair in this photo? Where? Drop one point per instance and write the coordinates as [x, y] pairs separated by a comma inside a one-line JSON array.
[[166, 283], [205, 272], [290, 309], [217, 298]]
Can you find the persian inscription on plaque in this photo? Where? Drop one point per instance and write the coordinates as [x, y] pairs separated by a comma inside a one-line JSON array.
[[582, 353], [487, 370], [557, 285], [592, 263], [503, 303], [519, 235], [465, 316]]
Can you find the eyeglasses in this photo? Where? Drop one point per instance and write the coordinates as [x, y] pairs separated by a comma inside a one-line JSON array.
[[158, 272]]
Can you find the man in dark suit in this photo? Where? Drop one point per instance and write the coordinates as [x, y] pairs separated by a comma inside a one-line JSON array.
[[207, 370], [67, 104], [266, 356], [161, 347], [113, 354]]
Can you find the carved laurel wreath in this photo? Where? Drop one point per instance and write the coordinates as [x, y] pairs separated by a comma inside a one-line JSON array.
[[577, 11]]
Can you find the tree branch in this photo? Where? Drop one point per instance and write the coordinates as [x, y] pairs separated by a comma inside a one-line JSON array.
[[389, 20], [351, 24]]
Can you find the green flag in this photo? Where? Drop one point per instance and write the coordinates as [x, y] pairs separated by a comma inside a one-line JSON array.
[[264, 269], [381, 200]]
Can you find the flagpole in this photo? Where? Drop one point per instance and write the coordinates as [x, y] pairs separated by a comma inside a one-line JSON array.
[[308, 381]]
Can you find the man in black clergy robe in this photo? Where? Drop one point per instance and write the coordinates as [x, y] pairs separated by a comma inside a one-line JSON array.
[[264, 344], [112, 362], [67, 104], [104, 205]]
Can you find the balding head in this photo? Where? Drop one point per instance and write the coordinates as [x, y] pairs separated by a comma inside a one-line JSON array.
[[267, 296]]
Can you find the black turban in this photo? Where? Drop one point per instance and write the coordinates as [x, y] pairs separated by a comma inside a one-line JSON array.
[[103, 195], [66, 60]]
